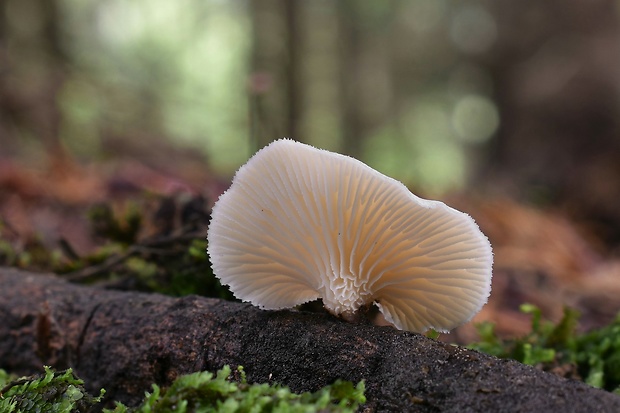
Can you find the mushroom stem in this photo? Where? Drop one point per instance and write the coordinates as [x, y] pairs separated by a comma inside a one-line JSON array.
[[363, 315]]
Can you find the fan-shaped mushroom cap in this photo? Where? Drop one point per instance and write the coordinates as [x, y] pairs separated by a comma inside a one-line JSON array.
[[300, 223]]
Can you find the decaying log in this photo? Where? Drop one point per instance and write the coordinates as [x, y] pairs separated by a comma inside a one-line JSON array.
[[124, 341]]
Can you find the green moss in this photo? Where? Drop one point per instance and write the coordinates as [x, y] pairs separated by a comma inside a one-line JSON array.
[[59, 392], [597, 355], [29, 252], [5, 378], [594, 356], [107, 225], [176, 264], [197, 250], [8, 256], [201, 392]]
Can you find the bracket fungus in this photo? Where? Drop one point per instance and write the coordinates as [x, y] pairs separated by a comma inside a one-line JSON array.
[[300, 223]]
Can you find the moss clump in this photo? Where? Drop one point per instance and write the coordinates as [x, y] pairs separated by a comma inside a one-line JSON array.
[[107, 225], [597, 355], [205, 393], [593, 357], [59, 392], [201, 392]]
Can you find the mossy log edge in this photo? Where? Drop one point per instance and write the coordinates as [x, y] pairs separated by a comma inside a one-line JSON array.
[[124, 341]]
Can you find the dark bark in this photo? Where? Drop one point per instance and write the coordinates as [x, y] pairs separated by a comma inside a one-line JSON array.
[[125, 341]]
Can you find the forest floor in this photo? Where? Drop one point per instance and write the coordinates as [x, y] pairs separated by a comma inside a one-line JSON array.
[[65, 217]]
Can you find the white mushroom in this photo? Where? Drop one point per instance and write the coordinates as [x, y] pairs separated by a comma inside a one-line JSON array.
[[301, 223]]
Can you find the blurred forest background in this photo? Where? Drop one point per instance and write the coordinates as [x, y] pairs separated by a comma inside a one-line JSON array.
[[507, 110]]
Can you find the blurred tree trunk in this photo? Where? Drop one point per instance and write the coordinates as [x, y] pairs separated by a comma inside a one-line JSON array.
[[294, 81], [277, 88], [265, 102], [352, 47], [60, 161], [25, 101], [5, 107], [555, 68]]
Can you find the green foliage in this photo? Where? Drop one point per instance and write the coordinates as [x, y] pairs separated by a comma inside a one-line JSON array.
[[595, 355], [188, 272], [30, 252], [5, 378], [8, 256], [59, 392], [533, 348], [123, 229], [432, 334], [172, 262], [203, 393]]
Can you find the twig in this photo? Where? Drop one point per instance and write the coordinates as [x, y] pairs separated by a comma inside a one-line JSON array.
[[152, 246]]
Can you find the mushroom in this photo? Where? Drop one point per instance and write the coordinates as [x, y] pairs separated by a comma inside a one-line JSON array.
[[300, 223]]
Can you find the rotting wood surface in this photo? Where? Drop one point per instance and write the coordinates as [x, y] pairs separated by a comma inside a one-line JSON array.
[[124, 341]]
